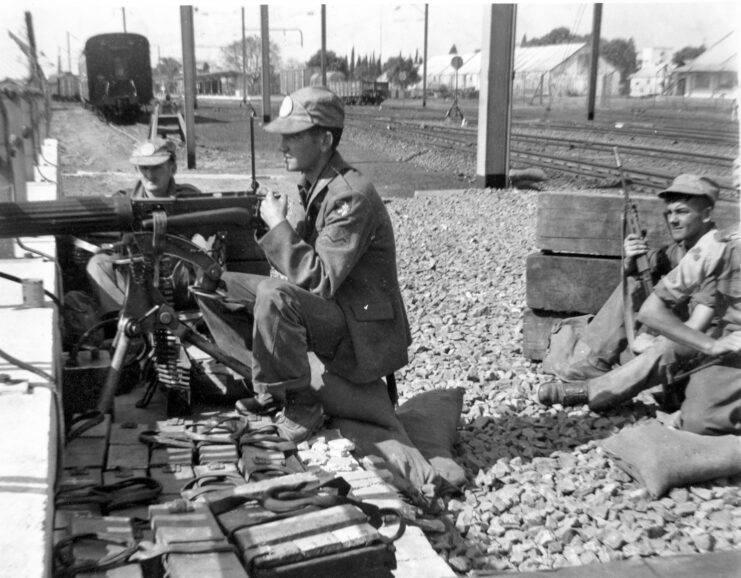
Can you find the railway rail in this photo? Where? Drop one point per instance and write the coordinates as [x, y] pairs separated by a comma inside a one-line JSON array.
[[580, 152]]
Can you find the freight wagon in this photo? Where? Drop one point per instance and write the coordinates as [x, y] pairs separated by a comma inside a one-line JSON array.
[[65, 87], [116, 75], [360, 91]]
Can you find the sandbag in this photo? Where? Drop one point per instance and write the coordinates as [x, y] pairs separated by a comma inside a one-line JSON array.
[[340, 397], [661, 458], [412, 472], [430, 419], [564, 346]]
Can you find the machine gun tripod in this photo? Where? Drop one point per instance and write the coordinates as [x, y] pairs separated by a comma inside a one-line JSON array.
[[148, 310]]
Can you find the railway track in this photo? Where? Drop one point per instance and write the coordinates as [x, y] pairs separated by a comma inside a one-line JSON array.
[[581, 152]]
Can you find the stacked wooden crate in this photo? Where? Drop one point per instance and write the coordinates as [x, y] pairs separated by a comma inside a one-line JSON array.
[[579, 236]]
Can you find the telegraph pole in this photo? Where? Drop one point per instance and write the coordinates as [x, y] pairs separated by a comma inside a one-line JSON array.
[[594, 60], [265, 63], [189, 73], [324, 45], [244, 63], [424, 61]]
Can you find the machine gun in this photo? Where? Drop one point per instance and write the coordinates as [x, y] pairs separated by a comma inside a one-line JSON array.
[[632, 225], [85, 215], [146, 308]]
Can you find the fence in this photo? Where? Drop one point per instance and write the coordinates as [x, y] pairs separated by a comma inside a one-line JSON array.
[[24, 125]]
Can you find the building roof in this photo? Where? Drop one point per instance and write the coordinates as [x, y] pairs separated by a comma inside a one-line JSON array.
[[720, 57], [544, 58]]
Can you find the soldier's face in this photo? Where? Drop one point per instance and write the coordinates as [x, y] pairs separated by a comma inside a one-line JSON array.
[[156, 179], [687, 219], [301, 151]]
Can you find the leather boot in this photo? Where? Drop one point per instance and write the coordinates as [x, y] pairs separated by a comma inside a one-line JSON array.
[[301, 417], [566, 394]]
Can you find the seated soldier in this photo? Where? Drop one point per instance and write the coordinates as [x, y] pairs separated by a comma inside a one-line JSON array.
[[156, 163], [340, 297], [712, 403], [689, 203]]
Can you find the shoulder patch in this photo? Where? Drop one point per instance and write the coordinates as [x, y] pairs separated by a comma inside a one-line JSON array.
[[343, 208]]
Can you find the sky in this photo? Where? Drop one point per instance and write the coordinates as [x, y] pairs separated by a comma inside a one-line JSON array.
[[385, 28]]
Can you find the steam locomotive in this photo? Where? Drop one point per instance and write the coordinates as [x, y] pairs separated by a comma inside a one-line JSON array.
[[116, 75]]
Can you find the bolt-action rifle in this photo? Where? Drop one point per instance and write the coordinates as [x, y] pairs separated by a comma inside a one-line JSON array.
[[632, 225]]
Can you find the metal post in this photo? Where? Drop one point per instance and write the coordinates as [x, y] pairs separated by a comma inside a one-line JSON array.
[[123, 13], [424, 61], [265, 63], [324, 45], [594, 60], [244, 63], [495, 101], [189, 73]]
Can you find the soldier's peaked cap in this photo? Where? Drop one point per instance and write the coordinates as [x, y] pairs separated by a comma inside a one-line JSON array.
[[153, 152], [689, 184], [308, 107]]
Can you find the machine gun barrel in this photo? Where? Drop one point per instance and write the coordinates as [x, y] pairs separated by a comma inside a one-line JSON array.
[[77, 216], [84, 215]]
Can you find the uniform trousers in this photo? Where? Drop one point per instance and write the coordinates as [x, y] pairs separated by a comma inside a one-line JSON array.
[[274, 324], [712, 404], [644, 371]]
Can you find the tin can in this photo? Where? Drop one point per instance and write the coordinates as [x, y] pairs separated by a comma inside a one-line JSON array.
[[33, 292]]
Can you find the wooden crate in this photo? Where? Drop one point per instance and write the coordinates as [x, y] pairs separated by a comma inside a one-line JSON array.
[[580, 238], [590, 223], [570, 283]]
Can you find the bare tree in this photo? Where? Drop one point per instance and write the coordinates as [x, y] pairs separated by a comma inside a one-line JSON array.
[[231, 56]]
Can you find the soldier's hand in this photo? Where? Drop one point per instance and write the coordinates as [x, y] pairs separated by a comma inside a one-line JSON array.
[[634, 246], [730, 343], [274, 208]]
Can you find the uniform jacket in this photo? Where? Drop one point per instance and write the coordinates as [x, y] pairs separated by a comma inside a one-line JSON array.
[[344, 250], [716, 257]]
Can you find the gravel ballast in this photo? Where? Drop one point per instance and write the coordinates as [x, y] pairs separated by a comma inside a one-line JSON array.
[[541, 493]]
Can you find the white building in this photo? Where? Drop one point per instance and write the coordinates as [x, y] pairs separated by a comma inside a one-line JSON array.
[[540, 71]]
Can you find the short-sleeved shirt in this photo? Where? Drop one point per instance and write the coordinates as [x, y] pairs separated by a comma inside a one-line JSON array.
[[662, 261], [714, 261]]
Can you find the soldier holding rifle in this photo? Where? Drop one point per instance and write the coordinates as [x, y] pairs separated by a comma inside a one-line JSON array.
[[590, 377], [712, 403]]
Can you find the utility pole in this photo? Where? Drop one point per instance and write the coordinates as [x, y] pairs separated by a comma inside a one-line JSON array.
[[424, 61], [265, 63], [495, 102], [69, 54], [594, 60], [189, 73], [324, 45], [244, 63]]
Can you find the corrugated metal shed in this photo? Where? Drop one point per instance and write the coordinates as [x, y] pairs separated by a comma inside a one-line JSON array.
[[720, 57], [544, 58]]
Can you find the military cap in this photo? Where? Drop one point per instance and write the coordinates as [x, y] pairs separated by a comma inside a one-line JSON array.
[[308, 107], [153, 152], [689, 184]]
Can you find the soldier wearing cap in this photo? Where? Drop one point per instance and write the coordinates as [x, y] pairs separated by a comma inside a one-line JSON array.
[[592, 373], [340, 296], [712, 396], [156, 164]]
